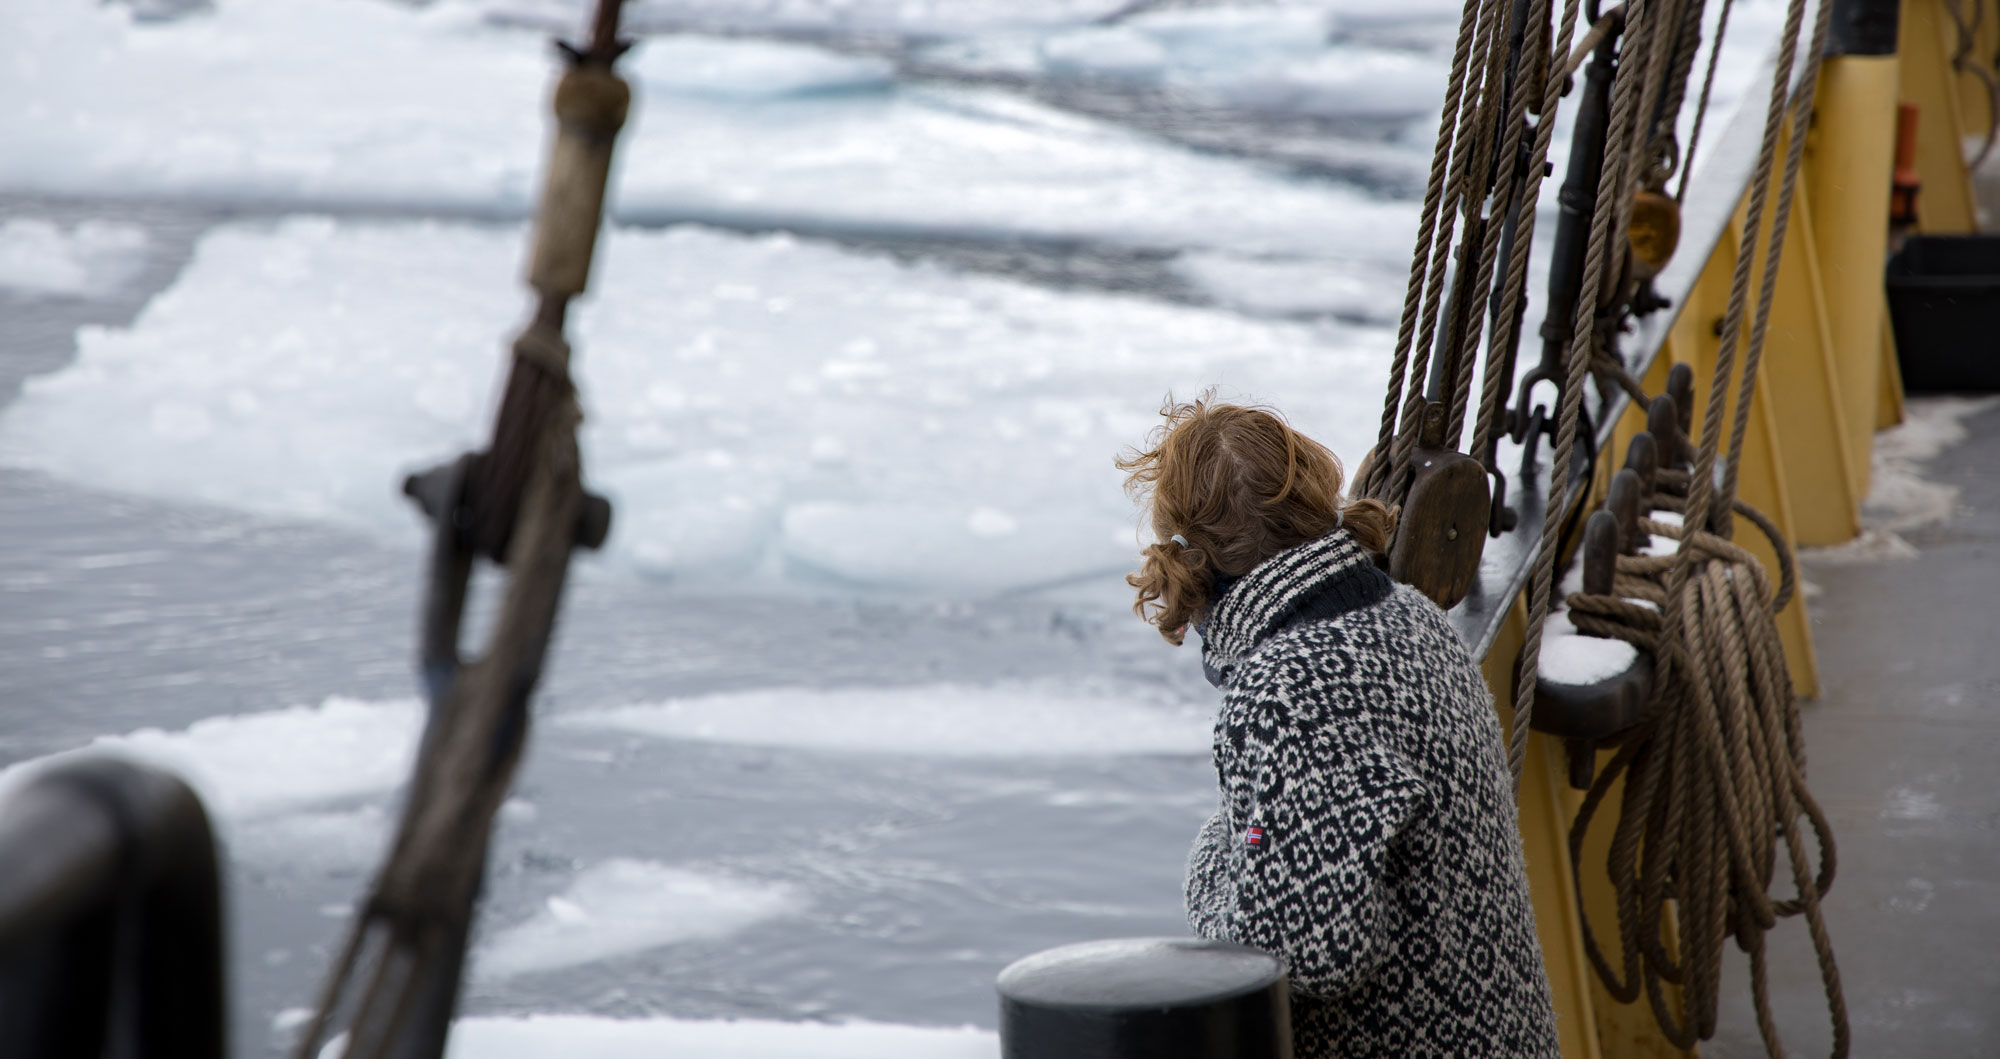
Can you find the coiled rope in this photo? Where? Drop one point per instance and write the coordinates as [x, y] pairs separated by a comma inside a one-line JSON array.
[[1714, 775], [1714, 778]]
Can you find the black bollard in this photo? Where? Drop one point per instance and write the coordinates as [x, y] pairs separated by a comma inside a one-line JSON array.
[[1146, 998], [110, 916]]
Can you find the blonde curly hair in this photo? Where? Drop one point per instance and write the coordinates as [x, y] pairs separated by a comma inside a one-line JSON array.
[[1239, 485]]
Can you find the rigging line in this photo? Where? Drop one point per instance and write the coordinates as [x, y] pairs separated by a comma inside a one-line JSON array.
[[1638, 37], [1499, 156], [1485, 431], [1580, 53], [1379, 467], [1801, 116], [1687, 46], [1702, 485], [1725, 726], [1684, 620], [1464, 150], [1645, 130], [1701, 108]]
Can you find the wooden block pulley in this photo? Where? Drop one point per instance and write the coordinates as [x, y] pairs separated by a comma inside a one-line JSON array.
[[1442, 530]]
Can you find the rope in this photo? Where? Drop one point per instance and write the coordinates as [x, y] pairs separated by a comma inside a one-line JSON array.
[[1687, 44], [1606, 366], [1701, 108], [1609, 202], [1465, 150], [1714, 778], [1663, 34], [1580, 54], [1714, 773], [1503, 198], [1493, 391], [1774, 249], [1380, 468], [1962, 62]]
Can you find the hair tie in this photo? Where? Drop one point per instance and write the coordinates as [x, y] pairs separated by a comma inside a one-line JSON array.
[[1339, 518], [1178, 539]]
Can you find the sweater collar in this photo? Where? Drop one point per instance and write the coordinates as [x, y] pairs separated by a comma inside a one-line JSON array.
[[1321, 578]]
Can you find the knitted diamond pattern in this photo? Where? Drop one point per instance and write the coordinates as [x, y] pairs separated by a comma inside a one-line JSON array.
[[1389, 874]]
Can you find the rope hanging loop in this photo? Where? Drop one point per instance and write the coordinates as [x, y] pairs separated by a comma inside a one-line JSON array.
[[1713, 779]]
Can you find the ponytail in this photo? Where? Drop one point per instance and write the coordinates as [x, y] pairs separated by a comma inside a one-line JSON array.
[[1173, 582], [1371, 523]]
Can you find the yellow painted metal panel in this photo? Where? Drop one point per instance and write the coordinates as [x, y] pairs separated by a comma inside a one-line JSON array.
[[1625, 1031], [1695, 341], [1946, 204], [1544, 829], [1889, 395], [1761, 483], [1804, 385], [1850, 154], [1975, 101]]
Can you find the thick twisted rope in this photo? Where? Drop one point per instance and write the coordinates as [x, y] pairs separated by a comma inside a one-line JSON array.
[[1663, 32], [1609, 202], [1499, 144], [1687, 44], [1714, 779], [1427, 224], [1472, 132], [1774, 251], [1714, 775], [1493, 393]]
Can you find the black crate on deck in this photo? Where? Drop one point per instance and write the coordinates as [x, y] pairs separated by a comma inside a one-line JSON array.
[[1944, 302]]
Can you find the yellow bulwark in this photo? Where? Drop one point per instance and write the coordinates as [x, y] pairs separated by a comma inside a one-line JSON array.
[[1829, 382]]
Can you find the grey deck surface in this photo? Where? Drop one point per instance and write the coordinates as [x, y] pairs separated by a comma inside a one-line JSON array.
[[1904, 749]]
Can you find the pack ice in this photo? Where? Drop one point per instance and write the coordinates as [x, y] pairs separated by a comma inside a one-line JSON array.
[[762, 409]]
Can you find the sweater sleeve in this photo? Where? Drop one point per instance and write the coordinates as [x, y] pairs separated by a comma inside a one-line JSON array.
[[1313, 814]]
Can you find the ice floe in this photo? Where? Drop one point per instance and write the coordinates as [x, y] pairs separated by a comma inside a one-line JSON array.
[[1295, 286], [333, 102], [760, 408], [917, 18], [589, 1037], [93, 258], [285, 762], [622, 906], [1285, 59], [940, 719]]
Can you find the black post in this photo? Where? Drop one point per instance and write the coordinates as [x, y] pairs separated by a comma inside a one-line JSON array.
[[110, 917], [1146, 998], [1863, 27]]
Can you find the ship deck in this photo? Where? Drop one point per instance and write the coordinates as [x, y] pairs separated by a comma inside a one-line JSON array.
[[1902, 745]]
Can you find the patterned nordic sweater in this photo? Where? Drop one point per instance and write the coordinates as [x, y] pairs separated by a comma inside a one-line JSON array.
[[1367, 831]]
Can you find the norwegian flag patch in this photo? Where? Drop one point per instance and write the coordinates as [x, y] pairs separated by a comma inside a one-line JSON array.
[[1254, 838]]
